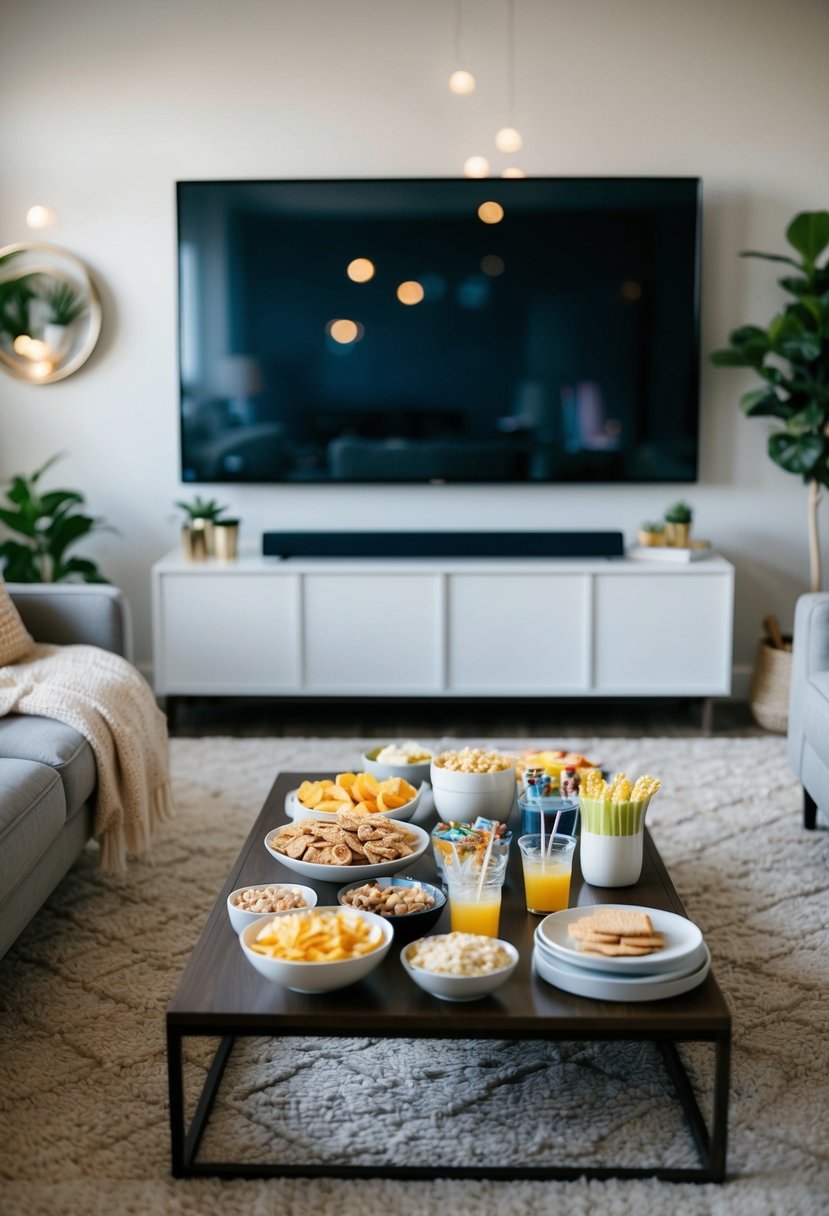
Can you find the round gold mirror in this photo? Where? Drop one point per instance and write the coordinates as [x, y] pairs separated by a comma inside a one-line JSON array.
[[50, 314]]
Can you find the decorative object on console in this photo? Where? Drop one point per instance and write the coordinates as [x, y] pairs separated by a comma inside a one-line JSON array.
[[678, 519], [50, 313], [226, 539], [197, 534], [791, 355], [48, 524], [651, 535]]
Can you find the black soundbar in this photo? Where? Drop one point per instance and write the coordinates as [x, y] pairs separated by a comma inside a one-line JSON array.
[[443, 544]]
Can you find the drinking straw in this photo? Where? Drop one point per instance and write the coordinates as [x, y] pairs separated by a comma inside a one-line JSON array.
[[541, 830], [552, 835], [484, 864]]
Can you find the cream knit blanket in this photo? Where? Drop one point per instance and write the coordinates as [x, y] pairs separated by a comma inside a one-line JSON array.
[[111, 704]]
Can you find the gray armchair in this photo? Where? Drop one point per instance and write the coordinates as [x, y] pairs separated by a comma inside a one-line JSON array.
[[808, 729]]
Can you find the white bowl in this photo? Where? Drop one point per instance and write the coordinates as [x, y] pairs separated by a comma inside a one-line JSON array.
[[462, 797], [295, 810], [459, 987], [240, 918], [316, 977], [413, 773], [321, 873]]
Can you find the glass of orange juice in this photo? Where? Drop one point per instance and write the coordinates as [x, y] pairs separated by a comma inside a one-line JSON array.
[[475, 891], [547, 873]]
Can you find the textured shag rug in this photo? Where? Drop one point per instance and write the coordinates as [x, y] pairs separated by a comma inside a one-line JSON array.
[[83, 1104]]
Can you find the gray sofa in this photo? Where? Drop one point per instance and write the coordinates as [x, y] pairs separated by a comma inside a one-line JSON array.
[[47, 770], [808, 728]]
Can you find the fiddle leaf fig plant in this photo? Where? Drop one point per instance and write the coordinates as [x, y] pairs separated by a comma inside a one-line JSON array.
[[791, 357], [48, 523]]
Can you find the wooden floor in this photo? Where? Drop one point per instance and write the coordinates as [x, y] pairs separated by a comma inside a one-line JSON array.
[[407, 718]]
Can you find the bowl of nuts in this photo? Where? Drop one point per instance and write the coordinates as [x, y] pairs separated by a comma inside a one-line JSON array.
[[413, 907], [247, 904], [459, 966], [473, 782]]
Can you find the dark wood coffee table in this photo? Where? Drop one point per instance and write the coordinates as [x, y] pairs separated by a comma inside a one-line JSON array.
[[220, 994]]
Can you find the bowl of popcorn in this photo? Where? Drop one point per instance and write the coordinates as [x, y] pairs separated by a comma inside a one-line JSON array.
[[248, 904], [317, 949], [473, 782], [413, 907], [409, 760], [459, 966]]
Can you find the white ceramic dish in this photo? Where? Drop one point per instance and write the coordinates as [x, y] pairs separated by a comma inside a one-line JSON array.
[[414, 773], [295, 810], [321, 873], [689, 962], [316, 977], [459, 987], [462, 797], [682, 938], [240, 918], [603, 987]]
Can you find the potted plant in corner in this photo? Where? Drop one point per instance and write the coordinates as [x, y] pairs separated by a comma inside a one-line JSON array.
[[791, 357], [197, 531], [49, 523]]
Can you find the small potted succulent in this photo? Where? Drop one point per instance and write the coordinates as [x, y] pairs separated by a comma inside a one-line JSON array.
[[651, 534], [197, 530], [678, 519]]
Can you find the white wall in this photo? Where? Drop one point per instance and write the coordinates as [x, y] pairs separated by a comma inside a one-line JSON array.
[[105, 104]]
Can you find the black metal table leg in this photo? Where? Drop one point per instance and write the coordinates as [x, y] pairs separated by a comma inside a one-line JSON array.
[[175, 1088], [719, 1125]]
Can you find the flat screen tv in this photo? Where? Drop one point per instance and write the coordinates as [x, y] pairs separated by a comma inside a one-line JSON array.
[[536, 330]]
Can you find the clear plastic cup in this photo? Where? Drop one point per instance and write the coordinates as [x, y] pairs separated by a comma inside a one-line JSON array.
[[547, 874], [475, 901]]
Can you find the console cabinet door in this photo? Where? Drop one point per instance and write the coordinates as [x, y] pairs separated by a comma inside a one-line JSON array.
[[231, 634], [518, 633], [373, 633], [663, 634]]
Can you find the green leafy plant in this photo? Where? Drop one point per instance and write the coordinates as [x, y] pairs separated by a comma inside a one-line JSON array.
[[65, 305], [49, 524], [652, 526], [202, 508], [791, 356], [679, 513]]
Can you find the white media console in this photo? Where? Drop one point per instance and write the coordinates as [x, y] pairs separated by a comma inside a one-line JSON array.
[[456, 627]]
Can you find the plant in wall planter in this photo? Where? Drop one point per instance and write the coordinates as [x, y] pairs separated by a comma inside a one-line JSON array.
[[197, 537], [65, 306], [791, 357], [49, 523], [678, 519]]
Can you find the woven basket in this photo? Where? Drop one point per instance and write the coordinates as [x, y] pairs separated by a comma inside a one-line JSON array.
[[769, 696]]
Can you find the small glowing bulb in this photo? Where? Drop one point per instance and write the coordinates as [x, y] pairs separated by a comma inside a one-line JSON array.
[[41, 216], [490, 213], [410, 292], [41, 369], [492, 265], [360, 270], [512, 171], [476, 166], [462, 82], [344, 331], [508, 140]]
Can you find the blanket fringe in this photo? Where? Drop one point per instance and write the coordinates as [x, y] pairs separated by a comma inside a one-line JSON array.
[[121, 842]]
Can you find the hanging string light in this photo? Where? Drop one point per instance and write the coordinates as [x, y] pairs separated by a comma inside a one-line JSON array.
[[508, 139], [461, 82]]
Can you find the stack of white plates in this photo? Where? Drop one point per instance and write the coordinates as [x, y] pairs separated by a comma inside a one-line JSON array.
[[679, 966]]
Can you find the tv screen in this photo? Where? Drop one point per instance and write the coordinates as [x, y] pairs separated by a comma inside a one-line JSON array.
[[535, 330]]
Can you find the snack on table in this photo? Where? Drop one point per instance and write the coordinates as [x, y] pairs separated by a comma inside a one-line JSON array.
[[318, 936], [403, 753], [553, 761], [616, 932], [618, 808], [268, 899], [355, 839], [360, 792], [474, 760], [459, 954], [466, 839], [389, 901]]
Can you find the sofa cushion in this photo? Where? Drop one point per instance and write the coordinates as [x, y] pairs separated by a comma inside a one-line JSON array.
[[814, 712], [32, 815], [15, 639], [45, 741]]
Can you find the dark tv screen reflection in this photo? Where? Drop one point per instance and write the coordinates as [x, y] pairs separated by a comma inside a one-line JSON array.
[[509, 330]]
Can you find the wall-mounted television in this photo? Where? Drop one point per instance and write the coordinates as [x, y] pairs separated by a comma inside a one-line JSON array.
[[535, 330]]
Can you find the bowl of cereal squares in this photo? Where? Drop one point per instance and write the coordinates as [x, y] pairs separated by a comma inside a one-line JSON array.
[[413, 907], [471, 782], [354, 846], [248, 904], [317, 949], [459, 966], [409, 760]]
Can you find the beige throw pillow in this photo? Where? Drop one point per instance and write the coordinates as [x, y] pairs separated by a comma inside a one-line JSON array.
[[15, 639]]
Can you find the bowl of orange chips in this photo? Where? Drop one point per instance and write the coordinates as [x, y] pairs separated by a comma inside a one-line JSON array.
[[362, 793]]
